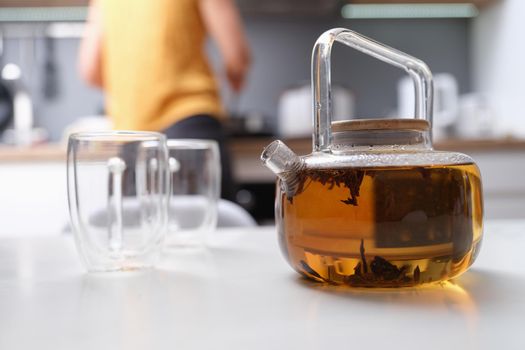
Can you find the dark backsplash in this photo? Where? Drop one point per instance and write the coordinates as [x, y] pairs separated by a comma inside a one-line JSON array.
[[281, 52]]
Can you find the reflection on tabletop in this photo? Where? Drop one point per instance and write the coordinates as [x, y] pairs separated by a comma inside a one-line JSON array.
[[474, 290], [240, 291]]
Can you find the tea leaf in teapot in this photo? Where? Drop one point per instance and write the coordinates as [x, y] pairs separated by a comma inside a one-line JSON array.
[[382, 272], [358, 269], [352, 201], [385, 270], [416, 274], [349, 178], [363, 258], [310, 271]]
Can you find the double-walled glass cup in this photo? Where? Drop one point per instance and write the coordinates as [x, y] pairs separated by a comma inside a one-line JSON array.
[[118, 189], [195, 187]]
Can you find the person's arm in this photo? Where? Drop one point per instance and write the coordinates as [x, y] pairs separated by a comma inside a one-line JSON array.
[[223, 23], [90, 52]]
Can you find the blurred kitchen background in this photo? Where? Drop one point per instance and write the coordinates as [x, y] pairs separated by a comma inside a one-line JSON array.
[[474, 48]]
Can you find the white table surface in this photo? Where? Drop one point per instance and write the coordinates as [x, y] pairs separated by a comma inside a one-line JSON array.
[[241, 294]]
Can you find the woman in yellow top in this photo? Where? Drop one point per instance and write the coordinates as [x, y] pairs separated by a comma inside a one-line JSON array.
[[149, 58]]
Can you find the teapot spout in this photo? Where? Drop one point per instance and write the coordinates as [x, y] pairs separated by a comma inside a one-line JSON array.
[[284, 163]]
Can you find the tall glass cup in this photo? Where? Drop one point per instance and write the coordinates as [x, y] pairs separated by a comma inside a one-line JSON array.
[[118, 189], [195, 188]]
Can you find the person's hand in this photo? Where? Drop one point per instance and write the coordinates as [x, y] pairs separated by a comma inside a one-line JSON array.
[[235, 78], [236, 71]]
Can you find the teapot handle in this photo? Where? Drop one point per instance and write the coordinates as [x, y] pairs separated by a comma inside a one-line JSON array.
[[321, 79]]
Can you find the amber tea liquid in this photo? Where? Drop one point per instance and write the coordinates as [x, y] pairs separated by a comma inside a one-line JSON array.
[[382, 227]]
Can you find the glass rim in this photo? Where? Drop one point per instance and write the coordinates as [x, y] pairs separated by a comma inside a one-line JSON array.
[[117, 135], [191, 143]]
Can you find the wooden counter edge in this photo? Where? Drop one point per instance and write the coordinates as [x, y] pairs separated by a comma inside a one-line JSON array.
[[254, 146], [37, 153]]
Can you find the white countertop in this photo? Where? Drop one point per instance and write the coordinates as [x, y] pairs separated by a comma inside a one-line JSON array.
[[241, 294]]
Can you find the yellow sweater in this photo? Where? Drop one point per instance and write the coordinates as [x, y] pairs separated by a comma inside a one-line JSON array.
[[155, 71]]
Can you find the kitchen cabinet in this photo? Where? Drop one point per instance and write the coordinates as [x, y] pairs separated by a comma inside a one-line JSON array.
[[480, 3], [42, 3]]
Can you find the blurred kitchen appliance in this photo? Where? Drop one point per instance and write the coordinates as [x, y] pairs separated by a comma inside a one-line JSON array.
[[475, 118], [246, 123], [6, 106], [249, 124], [6, 99], [22, 133], [50, 83], [86, 124], [446, 102], [295, 113]]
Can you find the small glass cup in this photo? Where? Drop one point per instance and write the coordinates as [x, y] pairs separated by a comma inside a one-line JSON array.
[[195, 188], [118, 191]]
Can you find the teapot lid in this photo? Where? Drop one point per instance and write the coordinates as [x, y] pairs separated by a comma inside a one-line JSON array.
[[380, 124]]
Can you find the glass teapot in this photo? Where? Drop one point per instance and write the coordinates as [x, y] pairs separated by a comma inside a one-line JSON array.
[[374, 205]]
